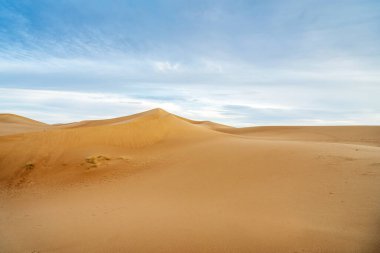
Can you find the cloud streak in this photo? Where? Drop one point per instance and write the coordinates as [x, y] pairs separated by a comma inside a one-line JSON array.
[[56, 106]]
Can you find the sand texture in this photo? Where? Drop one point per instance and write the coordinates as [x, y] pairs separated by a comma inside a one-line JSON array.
[[156, 182]]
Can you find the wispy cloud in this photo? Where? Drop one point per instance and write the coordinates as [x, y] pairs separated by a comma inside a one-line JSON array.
[[56, 106]]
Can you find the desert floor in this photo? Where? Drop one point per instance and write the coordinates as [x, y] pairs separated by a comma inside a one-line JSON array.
[[156, 182]]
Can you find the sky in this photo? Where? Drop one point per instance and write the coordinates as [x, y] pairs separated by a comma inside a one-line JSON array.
[[242, 63]]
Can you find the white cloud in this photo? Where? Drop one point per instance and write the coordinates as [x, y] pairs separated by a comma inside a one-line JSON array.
[[165, 66]]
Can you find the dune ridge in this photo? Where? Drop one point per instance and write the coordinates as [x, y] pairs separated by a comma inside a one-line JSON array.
[[158, 182]]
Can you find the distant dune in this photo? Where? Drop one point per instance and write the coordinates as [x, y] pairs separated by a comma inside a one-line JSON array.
[[157, 182], [13, 124], [368, 135]]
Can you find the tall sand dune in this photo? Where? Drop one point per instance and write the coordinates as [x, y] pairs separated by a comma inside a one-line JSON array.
[[157, 182], [74, 143]]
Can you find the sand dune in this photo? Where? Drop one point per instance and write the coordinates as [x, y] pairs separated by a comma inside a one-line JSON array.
[[70, 144], [369, 135], [14, 124], [156, 182]]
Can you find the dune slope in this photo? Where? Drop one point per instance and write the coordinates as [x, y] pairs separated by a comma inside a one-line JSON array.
[[156, 182], [14, 124]]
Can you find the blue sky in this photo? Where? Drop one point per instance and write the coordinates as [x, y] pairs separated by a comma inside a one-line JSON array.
[[272, 62]]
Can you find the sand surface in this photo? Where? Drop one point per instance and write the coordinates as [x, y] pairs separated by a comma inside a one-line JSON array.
[[156, 182]]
